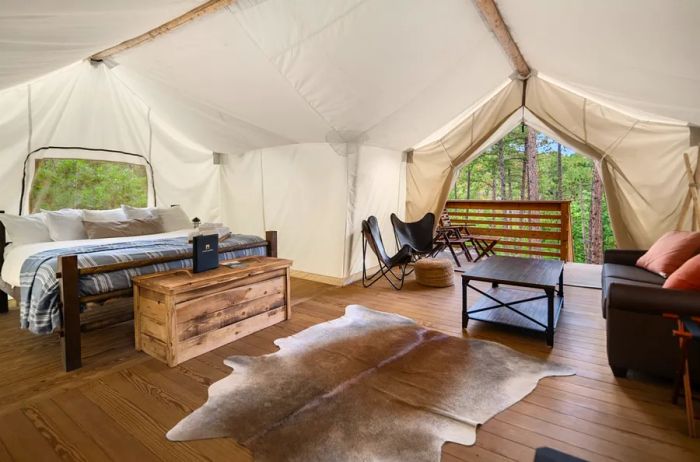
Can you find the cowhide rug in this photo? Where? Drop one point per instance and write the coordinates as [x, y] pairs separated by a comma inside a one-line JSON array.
[[367, 386]]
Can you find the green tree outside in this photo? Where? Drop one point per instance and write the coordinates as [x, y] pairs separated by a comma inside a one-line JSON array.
[[481, 180], [87, 184]]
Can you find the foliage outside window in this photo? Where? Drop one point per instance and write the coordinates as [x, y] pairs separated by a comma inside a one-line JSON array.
[[502, 173], [87, 184]]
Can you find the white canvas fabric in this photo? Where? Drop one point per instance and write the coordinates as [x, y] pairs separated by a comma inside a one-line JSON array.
[[314, 105], [642, 161], [638, 54], [41, 36]]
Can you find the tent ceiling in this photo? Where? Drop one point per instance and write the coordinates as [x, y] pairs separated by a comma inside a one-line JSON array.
[[40, 36], [334, 71], [640, 54], [262, 73]]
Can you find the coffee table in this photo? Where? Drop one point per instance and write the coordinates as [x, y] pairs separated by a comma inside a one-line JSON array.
[[520, 307]]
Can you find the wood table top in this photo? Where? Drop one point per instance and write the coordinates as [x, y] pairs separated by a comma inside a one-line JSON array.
[[181, 280], [525, 272]]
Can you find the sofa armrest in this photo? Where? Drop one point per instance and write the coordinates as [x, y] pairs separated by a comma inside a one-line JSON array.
[[652, 300], [622, 257]]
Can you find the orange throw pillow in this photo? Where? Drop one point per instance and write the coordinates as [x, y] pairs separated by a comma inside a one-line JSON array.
[[687, 277], [670, 252]]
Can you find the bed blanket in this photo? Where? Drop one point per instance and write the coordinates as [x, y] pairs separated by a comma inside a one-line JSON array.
[[40, 291]]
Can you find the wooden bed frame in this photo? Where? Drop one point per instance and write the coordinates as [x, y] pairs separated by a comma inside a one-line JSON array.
[[69, 275]]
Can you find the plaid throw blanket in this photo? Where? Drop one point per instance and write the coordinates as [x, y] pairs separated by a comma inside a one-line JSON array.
[[40, 291]]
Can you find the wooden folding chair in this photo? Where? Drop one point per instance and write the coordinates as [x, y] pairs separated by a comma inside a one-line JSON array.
[[448, 238], [688, 331], [483, 245]]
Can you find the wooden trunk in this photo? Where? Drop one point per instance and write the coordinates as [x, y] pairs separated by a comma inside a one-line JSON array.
[[179, 315]]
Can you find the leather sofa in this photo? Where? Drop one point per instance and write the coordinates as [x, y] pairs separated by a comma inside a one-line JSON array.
[[638, 336]]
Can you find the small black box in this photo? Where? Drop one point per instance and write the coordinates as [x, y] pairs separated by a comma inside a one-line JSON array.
[[205, 253]]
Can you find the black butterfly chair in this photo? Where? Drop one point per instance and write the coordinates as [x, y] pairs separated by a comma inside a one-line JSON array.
[[372, 236], [418, 235]]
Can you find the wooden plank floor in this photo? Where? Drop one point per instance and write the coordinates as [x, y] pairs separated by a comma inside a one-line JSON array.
[[120, 404]]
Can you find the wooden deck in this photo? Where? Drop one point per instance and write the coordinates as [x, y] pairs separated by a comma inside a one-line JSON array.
[[121, 403]]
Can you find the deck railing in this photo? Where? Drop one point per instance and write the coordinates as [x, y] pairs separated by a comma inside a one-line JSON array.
[[525, 228]]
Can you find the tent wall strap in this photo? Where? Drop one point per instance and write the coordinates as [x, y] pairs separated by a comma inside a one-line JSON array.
[[115, 151]]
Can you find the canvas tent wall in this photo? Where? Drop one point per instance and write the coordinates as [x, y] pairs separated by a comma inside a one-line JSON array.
[[313, 104], [84, 106], [643, 202]]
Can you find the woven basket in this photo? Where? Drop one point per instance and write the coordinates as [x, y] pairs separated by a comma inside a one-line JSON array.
[[434, 272]]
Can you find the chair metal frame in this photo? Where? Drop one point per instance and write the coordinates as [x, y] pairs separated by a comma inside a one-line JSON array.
[[402, 259]]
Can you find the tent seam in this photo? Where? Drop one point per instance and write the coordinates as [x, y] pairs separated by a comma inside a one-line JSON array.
[[284, 140], [284, 77], [315, 33], [262, 190], [415, 96], [585, 121]]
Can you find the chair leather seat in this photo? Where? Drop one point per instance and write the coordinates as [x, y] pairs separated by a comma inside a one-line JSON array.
[[631, 273]]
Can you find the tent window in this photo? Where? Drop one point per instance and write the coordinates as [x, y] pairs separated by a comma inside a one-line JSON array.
[[87, 184]]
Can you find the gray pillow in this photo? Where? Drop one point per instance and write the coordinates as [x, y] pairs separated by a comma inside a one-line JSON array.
[[125, 228], [174, 218]]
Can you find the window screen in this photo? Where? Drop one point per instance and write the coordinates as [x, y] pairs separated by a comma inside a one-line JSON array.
[[87, 184]]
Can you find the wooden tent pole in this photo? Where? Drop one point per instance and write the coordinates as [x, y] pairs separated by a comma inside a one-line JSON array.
[[693, 191], [691, 201], [205, 8], [492, 17]]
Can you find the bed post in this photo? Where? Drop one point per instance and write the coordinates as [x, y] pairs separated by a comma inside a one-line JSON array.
[[271, 237], [70, 309], [4, 300]]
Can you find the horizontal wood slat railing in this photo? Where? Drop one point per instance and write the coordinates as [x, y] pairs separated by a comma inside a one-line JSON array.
[[525, 228]]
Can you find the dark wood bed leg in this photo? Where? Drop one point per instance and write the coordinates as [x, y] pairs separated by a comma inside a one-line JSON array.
[[271, 237], [4, 299], [70, 308]]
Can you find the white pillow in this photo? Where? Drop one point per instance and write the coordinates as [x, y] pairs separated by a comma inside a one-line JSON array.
[[65, 224], [174, 219], [134, 213], [26, 229], [104, 215]]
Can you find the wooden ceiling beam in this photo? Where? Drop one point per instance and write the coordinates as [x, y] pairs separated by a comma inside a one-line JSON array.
[[492, 17], [205, 8]]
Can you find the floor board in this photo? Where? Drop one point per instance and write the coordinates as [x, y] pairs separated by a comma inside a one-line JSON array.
[[121, 403]]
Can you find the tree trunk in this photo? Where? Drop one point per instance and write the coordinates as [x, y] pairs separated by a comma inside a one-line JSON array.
[[559, 174], [523, 180], [493, 186], [501, 168], [469, 182], [510, 184], [533, 184], [584, 238], [595, 220]]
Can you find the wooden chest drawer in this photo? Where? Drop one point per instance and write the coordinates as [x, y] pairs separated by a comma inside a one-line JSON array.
[[179, 315]]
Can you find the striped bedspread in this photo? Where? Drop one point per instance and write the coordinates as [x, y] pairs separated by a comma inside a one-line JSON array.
[[40, 291]]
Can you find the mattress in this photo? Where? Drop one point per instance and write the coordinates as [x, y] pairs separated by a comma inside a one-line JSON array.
[[15, 255]]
